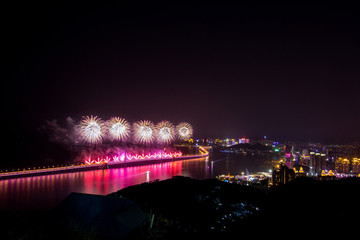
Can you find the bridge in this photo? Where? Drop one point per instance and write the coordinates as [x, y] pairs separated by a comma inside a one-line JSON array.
[[99, 165]]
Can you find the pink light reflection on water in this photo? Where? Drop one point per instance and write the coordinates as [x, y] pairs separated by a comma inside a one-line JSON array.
[[43, 192]]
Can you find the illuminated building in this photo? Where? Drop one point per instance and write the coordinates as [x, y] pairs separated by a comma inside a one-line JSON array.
[[305, 157], [282, 174], [330, 163], [326, 176], [342, 165], [244, 140], [320, 162], [356, 165], [341, 151], [288, 156], [299, 173], [312, 163], [317, 163]]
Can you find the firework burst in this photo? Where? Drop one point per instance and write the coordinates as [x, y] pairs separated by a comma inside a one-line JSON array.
[[118, 129], [184, 131], [165, 132], [144, 131], [92, 129]]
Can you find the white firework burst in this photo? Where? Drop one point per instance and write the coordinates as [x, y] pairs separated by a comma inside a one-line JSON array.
[[118, 129], [92, 129], [165, 132], [144, 131], [184, 131]]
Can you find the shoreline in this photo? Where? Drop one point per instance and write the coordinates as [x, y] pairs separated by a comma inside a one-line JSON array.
[[80, 168]]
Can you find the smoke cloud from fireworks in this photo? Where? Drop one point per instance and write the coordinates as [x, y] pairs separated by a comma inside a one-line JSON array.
[[93, 130]]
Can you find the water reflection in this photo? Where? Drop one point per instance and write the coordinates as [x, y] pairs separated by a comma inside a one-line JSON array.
[[41, 192]]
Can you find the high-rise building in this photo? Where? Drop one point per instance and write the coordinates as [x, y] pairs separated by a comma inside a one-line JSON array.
[[320, 162], [312, 163], [282, 174], [317, 163], [305, 157]]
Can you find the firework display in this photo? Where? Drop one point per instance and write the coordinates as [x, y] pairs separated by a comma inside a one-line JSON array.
[[165, 132], [144, 131], [118, 129], [184, 131], [132, 157], [92, 129]]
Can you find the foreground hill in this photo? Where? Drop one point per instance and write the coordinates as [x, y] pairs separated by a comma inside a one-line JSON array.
[[181, 208], [184, 207]]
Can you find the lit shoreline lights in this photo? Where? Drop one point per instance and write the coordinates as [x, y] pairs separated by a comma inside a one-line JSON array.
[[132, 157]]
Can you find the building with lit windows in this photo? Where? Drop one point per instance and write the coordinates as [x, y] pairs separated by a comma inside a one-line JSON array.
[[281, 174], [344, 165], [356, 165], [300, 172], [317, 163], [312, 163], [244, 140], [305, 157], [320, 162]]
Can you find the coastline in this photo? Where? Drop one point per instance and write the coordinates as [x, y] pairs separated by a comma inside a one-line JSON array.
[[84, 167]]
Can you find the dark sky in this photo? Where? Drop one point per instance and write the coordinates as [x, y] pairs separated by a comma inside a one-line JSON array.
[[286, 72]]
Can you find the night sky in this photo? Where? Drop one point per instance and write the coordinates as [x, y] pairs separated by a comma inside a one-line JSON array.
[[285, 72]]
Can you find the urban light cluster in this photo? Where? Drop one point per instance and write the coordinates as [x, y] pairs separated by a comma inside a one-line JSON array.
[[344, 165], [93, 130]]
